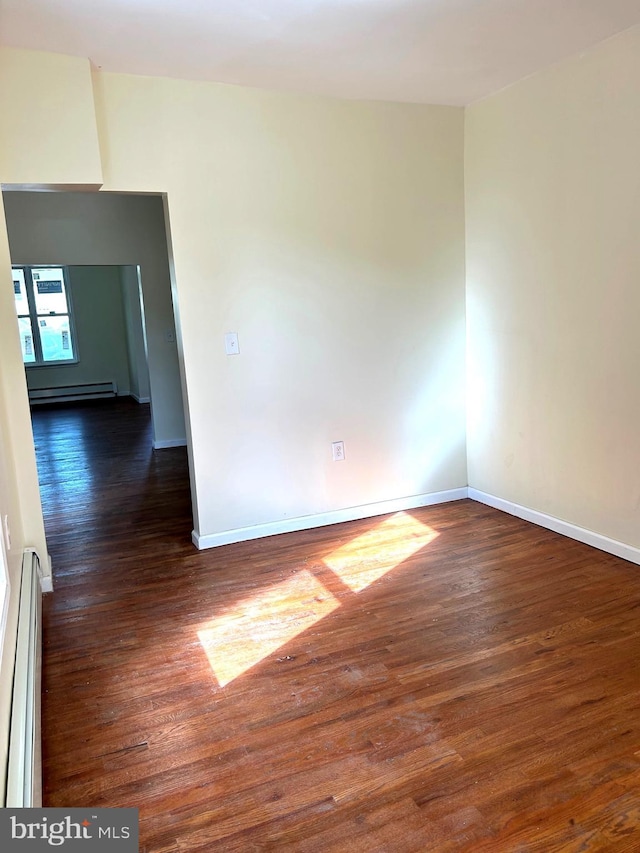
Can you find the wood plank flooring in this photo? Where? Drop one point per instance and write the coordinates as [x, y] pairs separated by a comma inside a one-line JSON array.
[[449, 679]]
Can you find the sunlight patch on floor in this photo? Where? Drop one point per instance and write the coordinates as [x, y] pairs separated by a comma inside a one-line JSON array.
[[369, 557], [259, 626]]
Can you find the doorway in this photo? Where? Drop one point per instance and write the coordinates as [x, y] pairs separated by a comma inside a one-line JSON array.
[[123, 236]]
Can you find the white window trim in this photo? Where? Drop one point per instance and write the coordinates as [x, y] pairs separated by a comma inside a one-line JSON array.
[[67, 362]]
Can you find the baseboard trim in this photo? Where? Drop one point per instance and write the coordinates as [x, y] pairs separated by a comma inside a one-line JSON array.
[[306, 522], [172, 442], [596, 540], [139, 399]]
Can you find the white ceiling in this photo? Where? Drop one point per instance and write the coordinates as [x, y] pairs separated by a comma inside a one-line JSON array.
[[428, 51]]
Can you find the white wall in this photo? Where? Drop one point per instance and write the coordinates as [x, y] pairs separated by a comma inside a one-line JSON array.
[[109, 229], [330, 236], [136, 350], [553, 272], [101, 338]]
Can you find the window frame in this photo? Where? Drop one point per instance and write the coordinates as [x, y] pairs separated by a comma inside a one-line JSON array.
[[34, 317]]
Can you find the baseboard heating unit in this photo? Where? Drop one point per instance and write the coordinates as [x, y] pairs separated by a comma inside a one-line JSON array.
[[62, 393], [24, 772]]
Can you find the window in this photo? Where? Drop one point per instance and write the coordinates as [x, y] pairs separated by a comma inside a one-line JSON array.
[[45, 318]]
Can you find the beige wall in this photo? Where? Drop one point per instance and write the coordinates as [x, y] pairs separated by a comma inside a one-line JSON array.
[[553, 272], [19, 493], [330, 236], [24, 503], [104, 228], [47, 121]]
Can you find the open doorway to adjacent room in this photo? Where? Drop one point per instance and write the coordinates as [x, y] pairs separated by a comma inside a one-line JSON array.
[[99, 332]]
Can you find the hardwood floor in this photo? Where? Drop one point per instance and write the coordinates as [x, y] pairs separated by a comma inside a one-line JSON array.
[[449, 679]]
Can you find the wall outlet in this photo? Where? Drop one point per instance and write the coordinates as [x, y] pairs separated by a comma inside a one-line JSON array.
[[337, 449]]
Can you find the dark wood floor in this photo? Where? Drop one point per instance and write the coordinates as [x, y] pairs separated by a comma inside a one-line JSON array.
[[449, 679]]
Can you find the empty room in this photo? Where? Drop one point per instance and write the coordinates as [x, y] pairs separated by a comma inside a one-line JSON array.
[[319, 447]]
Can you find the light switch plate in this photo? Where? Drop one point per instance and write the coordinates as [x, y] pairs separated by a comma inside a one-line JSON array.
[[231, 345]]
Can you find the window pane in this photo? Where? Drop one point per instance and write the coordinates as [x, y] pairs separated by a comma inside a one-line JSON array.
[[20, 292], [26, 340], [49, 290], [55, 336]]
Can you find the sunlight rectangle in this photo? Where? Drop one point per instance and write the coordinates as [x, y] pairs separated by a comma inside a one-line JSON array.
[[259, 626], [369, 557]]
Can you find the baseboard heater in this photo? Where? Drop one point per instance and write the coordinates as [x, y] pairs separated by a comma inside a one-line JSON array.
[[24, 771], [62, 393]]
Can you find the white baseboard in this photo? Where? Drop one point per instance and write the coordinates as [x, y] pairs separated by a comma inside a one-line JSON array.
[[139, 399], [172, 442], [290, 525], [46, 583], [596, 540]]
